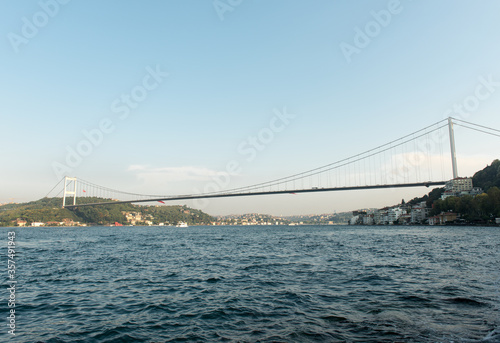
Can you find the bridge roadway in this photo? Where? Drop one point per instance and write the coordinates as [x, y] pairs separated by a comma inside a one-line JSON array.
[[227, 195]]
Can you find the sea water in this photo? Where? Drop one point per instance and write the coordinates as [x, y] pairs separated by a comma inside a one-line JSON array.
[[254, 284]]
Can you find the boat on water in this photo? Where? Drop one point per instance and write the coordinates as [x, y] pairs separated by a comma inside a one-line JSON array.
[[181, 224]]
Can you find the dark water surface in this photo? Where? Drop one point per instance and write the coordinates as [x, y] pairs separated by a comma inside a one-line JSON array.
[[255, 284]]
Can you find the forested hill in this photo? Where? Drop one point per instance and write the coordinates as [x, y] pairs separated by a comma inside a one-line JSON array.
[[49, 211], [488, 177]]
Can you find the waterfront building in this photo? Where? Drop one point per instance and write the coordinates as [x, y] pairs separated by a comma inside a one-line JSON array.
[[443, 218]]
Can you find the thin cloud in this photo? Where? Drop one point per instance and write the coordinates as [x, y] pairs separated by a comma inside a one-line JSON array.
[[172, 174]]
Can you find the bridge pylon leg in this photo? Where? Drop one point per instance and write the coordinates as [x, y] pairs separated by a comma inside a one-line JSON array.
[[69, 190], [452, 148]]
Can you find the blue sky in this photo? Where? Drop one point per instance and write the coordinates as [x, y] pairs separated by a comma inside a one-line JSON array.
[[216, 73]]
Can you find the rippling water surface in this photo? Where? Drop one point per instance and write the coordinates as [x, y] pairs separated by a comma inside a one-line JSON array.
[[256, 284]]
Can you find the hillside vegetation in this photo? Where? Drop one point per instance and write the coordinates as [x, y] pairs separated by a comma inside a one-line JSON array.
[[488, 177], [483, 208], [48, 210]]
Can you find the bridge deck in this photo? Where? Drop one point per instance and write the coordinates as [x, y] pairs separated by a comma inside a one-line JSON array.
[[227, 195]]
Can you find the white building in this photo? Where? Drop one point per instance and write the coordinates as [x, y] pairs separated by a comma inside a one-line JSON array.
[[419, 213], [354, 220], [461, 184], [457, 187], [381, 217], [368, 220], [394, 214]]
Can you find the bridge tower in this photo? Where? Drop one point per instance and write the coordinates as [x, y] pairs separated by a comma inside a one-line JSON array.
[[452, 147], [69, 190]]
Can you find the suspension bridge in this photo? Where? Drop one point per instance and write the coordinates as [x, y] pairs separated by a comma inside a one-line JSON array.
[[414, 160]]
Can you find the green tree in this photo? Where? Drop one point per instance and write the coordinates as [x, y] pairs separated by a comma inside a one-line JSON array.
[[494, 196]]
